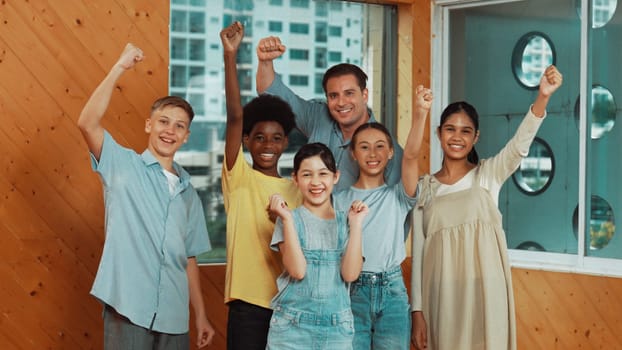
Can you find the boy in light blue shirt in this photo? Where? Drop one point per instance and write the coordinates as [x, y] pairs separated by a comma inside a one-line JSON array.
[[154, 224]]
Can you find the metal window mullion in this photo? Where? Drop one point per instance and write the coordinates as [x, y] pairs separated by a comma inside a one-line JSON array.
[[583, 100]]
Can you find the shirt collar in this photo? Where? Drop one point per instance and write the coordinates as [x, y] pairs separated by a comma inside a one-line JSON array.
[[151, 160]]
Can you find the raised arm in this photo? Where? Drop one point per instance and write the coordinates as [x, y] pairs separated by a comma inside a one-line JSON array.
[[352, 260], [231, 38], [549, 83], [267, 50], [412, 149], [205, 331], [294, 260], [95, 108]]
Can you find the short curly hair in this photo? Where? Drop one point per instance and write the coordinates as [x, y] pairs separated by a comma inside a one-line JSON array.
[[265, 108]]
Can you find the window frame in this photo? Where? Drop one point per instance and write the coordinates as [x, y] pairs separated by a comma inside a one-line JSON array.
[[576, 263]]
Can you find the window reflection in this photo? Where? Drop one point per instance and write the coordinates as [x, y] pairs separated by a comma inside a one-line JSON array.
[[603, 111], [602, 223], [536, 170], [532, 54], [602, 11]]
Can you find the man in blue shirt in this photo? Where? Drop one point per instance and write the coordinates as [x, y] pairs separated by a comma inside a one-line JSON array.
[[154, 223], [333, 121]]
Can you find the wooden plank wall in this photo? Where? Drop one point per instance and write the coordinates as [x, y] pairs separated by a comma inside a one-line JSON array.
[[52, 55]]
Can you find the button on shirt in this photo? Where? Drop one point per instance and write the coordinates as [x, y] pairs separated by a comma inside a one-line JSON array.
[[150, 233], [315, 121]]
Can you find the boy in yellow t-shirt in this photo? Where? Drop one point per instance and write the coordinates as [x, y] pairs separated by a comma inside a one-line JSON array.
[[252, 267]]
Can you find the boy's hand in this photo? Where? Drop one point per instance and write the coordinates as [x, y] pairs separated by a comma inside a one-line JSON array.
[[205, 333], [130, 55], [270, 48], [550, 81], [231, 36]]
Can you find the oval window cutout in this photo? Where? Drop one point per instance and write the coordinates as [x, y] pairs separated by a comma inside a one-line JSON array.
[[532, 54], [603, 111], [602, 11], [536, 171], [602, 223]]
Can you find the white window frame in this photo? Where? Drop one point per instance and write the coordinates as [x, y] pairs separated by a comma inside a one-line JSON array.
[[576, 263]]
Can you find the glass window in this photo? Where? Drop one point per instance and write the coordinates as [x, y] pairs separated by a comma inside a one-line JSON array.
[[603, 111], [300, 28], [321, 29], [320, 57], [319, 88], [532, 54], [196, 74], [580, 158], [179, 22], [178, 48], [336, 6], [334, 31], [298, 80], [298, 54], [178, 76], [197, 49], [299, 3], [334, 56], [321, 9], [197, 22], [536, 171], [275, 26]]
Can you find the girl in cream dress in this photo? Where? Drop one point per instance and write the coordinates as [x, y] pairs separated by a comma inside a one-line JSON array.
[[461, 284]]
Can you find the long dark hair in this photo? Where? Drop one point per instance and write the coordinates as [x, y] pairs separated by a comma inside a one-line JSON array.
[[471, 112]]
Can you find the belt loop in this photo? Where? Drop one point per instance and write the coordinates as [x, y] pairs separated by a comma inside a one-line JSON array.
[[334, 320], [297, 317]]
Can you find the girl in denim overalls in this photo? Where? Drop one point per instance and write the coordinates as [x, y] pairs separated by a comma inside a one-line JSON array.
[[312, 307]]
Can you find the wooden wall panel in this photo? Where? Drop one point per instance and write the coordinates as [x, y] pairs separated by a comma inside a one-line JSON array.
[[52, 55]]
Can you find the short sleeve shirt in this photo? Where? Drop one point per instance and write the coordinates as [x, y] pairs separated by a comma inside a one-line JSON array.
[[315, 121], [150, 234]]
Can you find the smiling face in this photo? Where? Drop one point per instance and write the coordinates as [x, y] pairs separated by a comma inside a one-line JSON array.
[[372, 150], [168, 128], [266, 142], [315, 182], [457, 135], [347, 102]]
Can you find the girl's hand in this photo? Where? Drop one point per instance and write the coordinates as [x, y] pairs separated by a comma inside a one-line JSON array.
[[278, 207], [130, 55], [550, 81], [358, 211], [231, 36], [423, 98], [419, 334]]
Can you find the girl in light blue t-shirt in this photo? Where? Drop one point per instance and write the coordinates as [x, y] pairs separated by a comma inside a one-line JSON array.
[[379, 298]]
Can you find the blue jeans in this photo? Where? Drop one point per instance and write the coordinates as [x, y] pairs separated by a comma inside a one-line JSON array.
[[381, 311], [247, 326]]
